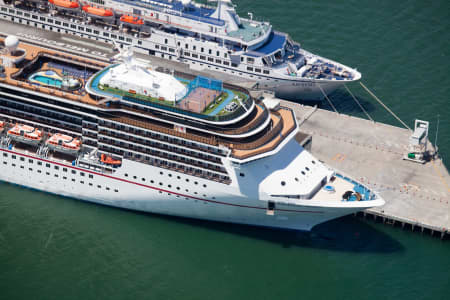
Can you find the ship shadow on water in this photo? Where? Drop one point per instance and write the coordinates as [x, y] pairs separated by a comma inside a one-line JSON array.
[[346, 234]]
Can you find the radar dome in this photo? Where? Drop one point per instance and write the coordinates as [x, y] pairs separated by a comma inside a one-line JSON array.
[[11, 43]]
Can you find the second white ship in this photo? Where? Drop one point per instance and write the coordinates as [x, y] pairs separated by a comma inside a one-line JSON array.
[[204, 37]]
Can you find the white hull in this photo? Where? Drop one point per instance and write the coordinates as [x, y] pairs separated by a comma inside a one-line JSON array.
[[118, 191]]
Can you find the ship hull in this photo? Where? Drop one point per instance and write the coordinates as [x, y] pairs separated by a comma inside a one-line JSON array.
[[302, 90], [191, 200]]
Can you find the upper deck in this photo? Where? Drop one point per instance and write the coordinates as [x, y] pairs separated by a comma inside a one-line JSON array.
[[260, 131]]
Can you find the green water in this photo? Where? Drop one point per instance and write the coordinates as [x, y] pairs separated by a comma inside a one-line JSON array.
[[57, 248]]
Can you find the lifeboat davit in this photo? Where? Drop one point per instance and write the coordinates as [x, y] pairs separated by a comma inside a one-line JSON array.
[[64, 143], [98, 12], [106, 159], [130, 20], [25, 134], [65, 4]]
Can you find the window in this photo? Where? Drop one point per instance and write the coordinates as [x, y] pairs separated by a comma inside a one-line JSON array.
[[66, 24], [266, 71], [91, 176], [257, 70], [165, 41], [56, 167], [82, 173], [163, 48], [22, 159], [209, 51], [156, 46], [30, 161], [74, 172], [47, 165], [210, 59], [97, 32], [39, 163], [250, 69], [218, 61], [202, 57], [194, 55]]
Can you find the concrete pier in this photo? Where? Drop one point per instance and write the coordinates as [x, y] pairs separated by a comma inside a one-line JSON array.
[[417, 196]]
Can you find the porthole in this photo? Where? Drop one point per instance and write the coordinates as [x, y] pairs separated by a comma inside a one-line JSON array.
[[204, 185], [296, 179], [283, 183], [160, 173], [307, 169], [161, 183], [303, 172], [313, 161], [241, 174]]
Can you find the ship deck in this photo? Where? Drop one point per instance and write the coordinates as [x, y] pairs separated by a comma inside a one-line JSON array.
[[282, 120]]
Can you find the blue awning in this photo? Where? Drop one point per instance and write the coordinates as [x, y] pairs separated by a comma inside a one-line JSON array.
[[275, 42]]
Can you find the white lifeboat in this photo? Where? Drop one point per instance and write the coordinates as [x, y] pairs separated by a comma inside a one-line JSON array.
[[64, 143], [25, 134]]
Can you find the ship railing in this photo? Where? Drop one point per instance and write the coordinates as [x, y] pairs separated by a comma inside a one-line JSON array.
[[260, 116], [130, 138], [157, 130], [274, 136], [163, 163], [142, 150]]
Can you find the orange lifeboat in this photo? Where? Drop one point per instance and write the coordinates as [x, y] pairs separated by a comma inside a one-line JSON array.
[[98, 11], [135, 21], [25, 134], [2, 126], [64, 143], [106, 159], [65, 4]]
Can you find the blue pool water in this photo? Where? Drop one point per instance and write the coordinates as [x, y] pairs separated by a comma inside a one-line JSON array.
[[47, 80]]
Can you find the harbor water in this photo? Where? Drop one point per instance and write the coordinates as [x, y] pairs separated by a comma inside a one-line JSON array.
[[57, 248]]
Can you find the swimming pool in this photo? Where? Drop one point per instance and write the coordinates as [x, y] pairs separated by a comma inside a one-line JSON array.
[[47, 80]]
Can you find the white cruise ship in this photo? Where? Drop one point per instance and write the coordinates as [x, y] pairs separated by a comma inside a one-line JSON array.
[[204, 37], [129, 136]]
